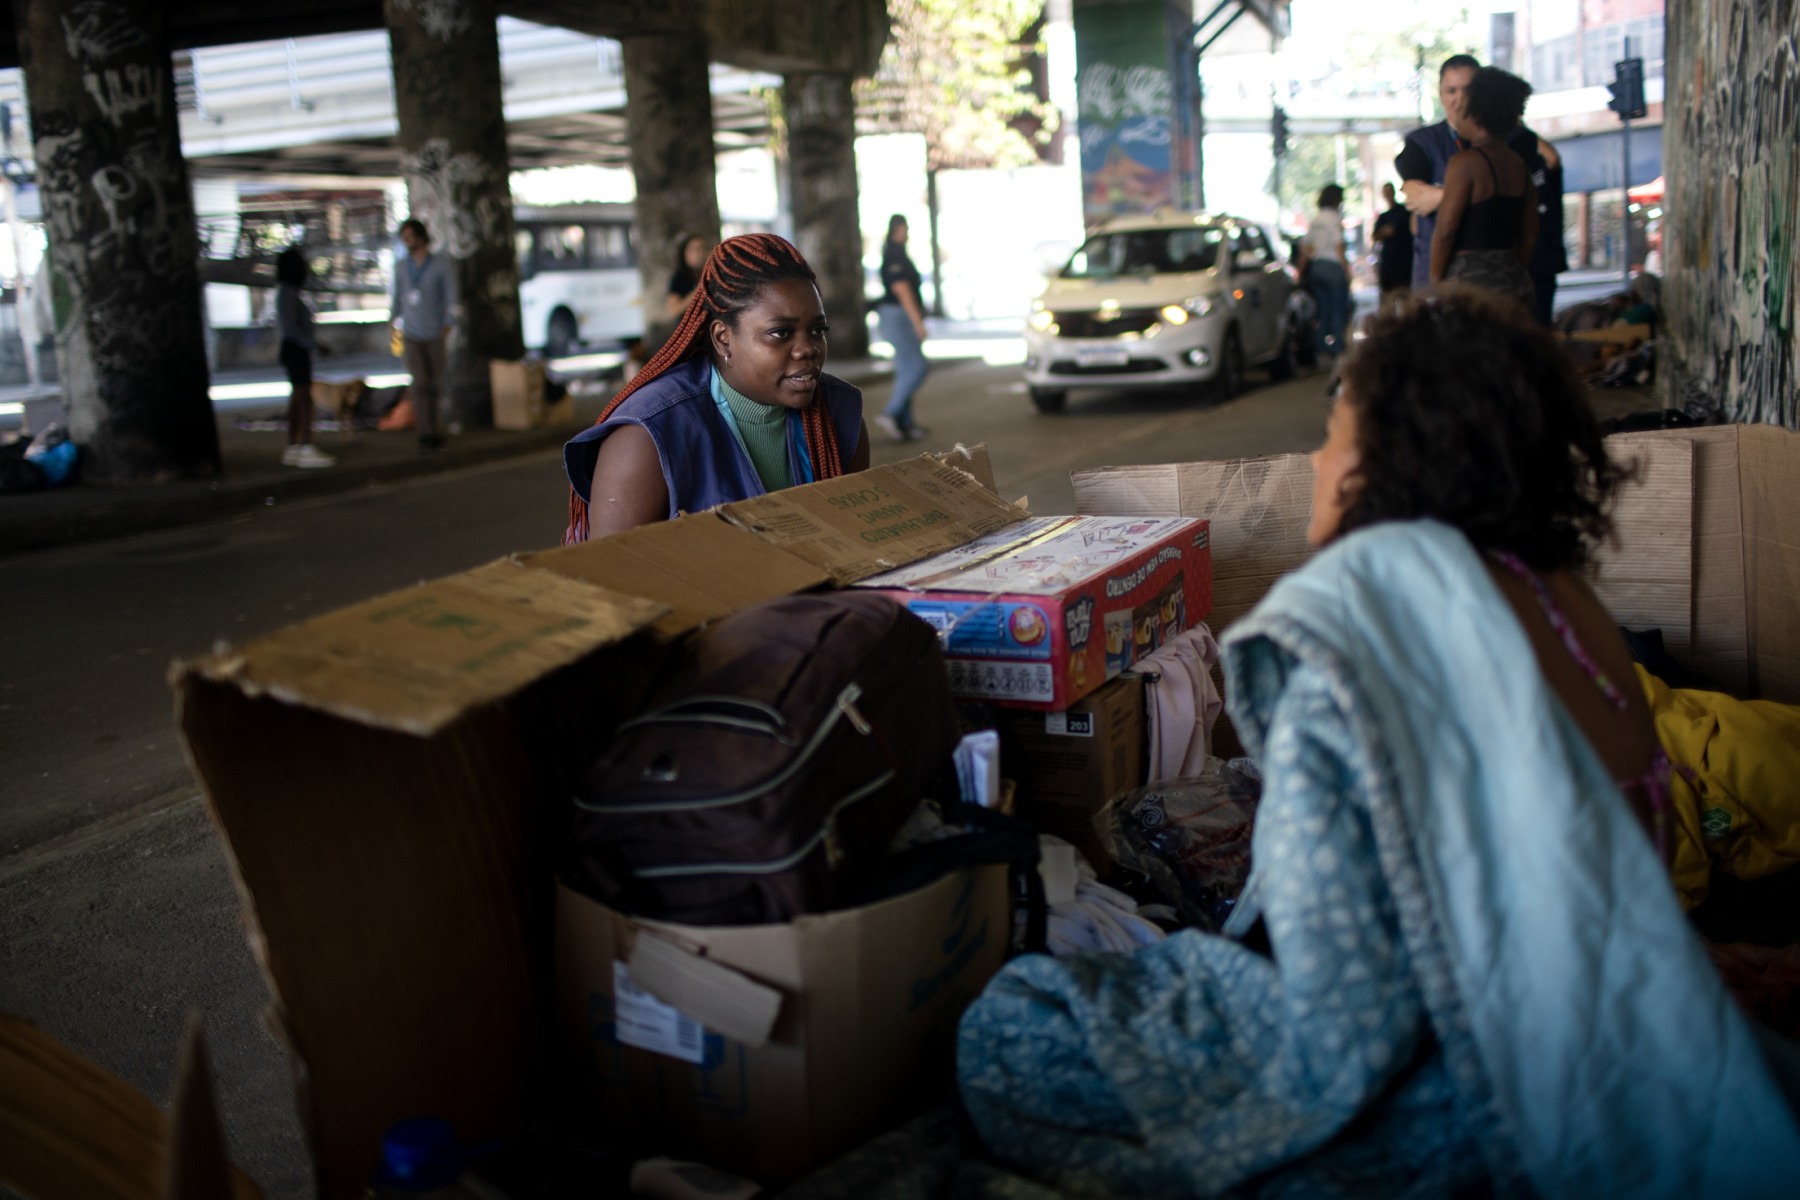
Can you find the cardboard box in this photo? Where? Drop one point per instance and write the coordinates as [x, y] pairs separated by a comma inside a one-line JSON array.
[[518, 387], [1068, 764], [384, 778], [70, 1128], [1041, 613], [338, 396], [1628, 336], [770, 1050], [1704, 551], [381, 775]]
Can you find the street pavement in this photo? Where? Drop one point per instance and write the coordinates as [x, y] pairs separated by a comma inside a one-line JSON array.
[[117, 911]]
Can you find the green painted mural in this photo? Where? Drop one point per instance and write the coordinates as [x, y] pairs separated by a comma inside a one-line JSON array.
[[1732, 144]]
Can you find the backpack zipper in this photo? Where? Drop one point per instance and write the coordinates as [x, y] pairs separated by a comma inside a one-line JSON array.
[[843, 709], [827, 834], [773, 723]]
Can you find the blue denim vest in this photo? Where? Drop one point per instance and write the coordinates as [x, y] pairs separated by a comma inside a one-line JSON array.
[[702, 463]]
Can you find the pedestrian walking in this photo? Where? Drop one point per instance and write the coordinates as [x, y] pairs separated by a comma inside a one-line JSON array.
[[424, 295], [900, 318], [735, 404], [294, 324], [1326, 269]]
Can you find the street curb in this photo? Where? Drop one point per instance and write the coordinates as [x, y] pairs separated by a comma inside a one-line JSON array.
[[89, 514]]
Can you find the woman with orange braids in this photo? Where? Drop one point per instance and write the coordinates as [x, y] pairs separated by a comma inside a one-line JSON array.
[[735, 404]]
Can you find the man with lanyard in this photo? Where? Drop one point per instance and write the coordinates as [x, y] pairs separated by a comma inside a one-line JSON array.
[[423, 296], [1425, 156]]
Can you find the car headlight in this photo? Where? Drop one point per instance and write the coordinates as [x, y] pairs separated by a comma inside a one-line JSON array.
[[1174, 314], [1042, 319], [1200, 306]]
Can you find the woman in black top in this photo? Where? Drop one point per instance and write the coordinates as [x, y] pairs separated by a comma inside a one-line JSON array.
[[1487, 222], [691, 250], [900, 318], [294, 325]]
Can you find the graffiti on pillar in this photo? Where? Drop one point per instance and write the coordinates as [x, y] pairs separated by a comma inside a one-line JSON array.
[[95, 31], [444, 20], [1732, 144], [115, 198], [125, 91], [503, 296], [457, 195], [1125, 101]]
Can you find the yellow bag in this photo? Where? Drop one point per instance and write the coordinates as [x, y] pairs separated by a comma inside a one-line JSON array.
[[1736, 809], [397, 343]]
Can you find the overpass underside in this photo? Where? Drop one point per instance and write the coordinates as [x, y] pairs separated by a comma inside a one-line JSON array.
[[107, 139]]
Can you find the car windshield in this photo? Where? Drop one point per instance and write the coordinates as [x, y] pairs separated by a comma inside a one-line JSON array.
[[1145, 252]]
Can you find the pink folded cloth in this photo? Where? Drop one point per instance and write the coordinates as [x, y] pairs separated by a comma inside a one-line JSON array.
[[1182, 703]]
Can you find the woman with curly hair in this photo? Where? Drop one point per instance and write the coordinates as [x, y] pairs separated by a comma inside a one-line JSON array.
[[1487, 223], [735, 404], [1458, 966]]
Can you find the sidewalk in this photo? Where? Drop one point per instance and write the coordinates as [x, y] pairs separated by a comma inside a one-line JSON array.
[[253, 476]]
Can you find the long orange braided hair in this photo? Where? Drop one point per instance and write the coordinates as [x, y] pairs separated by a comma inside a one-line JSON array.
[[736, 270]]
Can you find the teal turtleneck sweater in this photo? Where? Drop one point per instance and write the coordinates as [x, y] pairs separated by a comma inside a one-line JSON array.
[[765, 432]]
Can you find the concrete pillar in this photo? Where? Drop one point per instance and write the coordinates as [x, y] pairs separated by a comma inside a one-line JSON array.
[[446, 56], [130, 329], [821, 123], [669, 125]]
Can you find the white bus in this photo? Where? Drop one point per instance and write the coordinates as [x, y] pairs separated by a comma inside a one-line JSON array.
[[578, 276]]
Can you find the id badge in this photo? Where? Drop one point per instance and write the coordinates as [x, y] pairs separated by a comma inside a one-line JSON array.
[[412, 297]]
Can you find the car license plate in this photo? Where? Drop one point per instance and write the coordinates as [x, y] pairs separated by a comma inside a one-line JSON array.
[[1102, 356]]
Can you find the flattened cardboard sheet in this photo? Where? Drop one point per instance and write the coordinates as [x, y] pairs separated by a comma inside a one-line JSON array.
[[415, 659], [1645, 575], [973, 459], [1719, 644], [1258, 507], [1769, 469], [701, 567], [860, 525]]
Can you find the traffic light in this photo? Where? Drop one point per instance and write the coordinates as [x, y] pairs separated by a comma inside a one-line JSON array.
[[1278, 130], [1627, 89]]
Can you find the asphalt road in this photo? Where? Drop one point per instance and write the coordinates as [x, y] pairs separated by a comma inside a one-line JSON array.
[[117, 913]]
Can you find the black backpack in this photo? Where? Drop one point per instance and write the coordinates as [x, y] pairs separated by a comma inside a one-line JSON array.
[[772, 765]]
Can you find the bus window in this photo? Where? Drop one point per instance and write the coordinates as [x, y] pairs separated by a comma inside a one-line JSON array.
[[578, 281], [610, 245], [562, 248]]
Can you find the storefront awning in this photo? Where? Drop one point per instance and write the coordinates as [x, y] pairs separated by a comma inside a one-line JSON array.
[[1592, 163]]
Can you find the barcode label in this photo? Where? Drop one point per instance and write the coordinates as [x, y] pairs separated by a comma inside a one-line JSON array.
[[1001, 680], [647, 1023]]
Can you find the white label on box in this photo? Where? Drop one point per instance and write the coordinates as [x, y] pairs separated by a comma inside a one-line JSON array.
[[1069, 724], [647, 1023], [1002, 680]]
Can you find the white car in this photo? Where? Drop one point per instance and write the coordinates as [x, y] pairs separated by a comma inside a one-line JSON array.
[[1184, 300]]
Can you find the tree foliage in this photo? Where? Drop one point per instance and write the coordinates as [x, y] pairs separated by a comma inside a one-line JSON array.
[[1310, 164], [953, 70]]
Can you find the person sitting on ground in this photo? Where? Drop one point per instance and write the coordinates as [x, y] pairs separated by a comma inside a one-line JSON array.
[[1487, 222], [1458, 966], [735, 404]]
